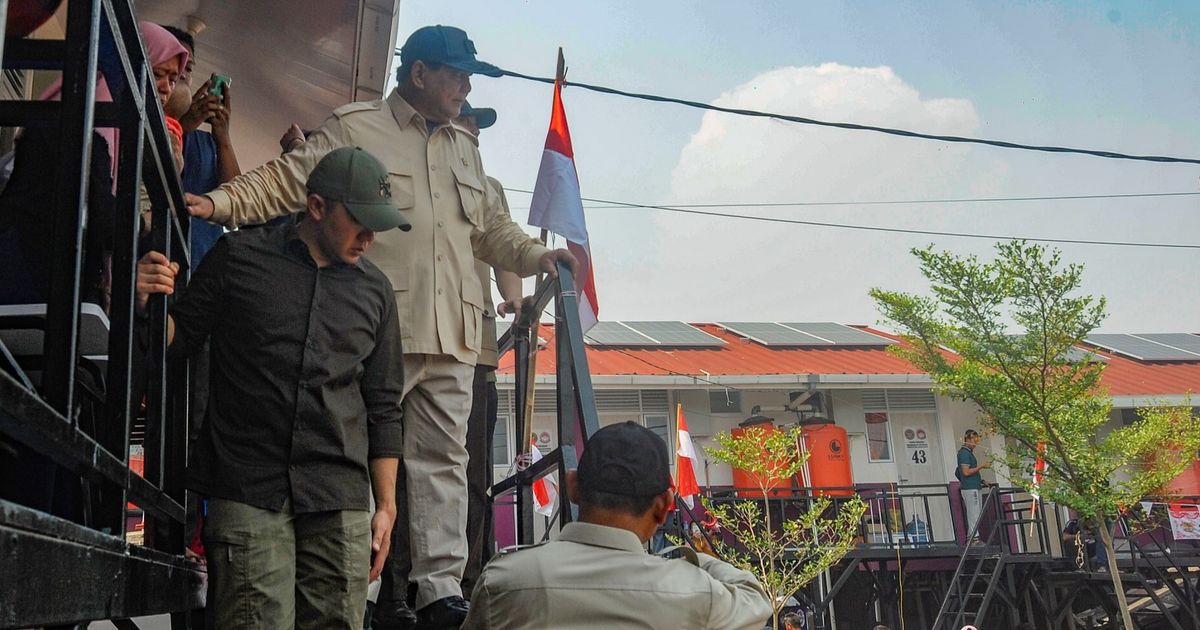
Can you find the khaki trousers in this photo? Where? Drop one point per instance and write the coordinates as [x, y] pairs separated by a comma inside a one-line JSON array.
[[279, 570], [437, 403]]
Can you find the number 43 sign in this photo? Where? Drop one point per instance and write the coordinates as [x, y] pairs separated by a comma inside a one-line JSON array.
[[916, 445]]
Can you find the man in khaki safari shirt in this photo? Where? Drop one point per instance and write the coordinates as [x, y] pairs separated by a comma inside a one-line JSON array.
[[597, 574], [438, 183]]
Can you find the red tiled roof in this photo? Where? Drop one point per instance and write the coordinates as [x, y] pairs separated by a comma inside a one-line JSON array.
[[742, 357]]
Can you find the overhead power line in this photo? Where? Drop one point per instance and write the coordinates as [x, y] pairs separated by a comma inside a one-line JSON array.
[[892, 202], [857, 127], [876, 228]]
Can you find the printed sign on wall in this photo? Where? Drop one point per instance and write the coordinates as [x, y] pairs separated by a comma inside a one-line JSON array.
[[916, 445]]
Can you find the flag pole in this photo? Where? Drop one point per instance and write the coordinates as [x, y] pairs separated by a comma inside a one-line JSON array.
[[560, 75]]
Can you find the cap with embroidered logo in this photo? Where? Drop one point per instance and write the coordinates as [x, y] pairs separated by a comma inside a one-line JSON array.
[[445, 45], [358, 180]]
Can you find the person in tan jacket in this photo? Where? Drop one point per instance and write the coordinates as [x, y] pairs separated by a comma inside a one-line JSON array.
[[598, 573], [437, 181]]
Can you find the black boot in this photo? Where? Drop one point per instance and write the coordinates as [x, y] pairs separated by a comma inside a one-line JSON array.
[[447, 612], [393, 615]]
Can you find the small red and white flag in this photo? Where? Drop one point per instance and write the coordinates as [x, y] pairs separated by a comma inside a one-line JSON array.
[[557, 206], [1039, 470], [685, 460], [545, 490]]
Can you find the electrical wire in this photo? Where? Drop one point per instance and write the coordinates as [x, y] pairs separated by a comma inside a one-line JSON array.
[[858, 127], [886, 202], [876, 228]]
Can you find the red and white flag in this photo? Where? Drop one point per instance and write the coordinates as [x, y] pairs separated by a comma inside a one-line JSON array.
[[1039, 470], [545, 490], [557, 206], [685, 460]]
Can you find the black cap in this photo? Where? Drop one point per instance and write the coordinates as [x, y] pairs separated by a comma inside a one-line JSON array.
[[484, 116], [626, 459], [445, 45]]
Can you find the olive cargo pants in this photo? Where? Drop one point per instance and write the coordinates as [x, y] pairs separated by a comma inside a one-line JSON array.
[[280, 570]]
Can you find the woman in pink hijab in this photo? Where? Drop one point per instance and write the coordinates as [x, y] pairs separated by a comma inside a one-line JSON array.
[[167, 58], [26, 232]]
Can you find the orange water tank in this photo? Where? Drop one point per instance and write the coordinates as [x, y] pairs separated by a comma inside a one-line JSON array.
[[829, 459], [746, 482]]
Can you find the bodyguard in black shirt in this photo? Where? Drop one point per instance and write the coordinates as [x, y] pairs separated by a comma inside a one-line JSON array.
[[304, 411]]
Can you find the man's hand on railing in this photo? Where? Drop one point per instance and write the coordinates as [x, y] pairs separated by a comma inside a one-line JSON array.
[[199, 206], [511, 307], [550, 259], [155, 274]]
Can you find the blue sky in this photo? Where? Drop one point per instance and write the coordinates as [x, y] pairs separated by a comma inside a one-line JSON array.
[[1121, 76]]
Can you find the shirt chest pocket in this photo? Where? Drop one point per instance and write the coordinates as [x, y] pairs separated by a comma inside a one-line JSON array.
[[403, 192], [471, 193]]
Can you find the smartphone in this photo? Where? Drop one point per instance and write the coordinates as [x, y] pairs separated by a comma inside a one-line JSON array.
[[219, 83]]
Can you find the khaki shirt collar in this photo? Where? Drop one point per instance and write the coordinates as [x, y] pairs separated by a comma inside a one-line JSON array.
[[405, 115], [602, 536]]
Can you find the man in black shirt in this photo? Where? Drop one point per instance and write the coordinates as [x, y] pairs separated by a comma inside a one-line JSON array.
[[304, 411]]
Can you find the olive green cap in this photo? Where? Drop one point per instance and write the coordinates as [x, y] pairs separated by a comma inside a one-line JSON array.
[[358, 180]]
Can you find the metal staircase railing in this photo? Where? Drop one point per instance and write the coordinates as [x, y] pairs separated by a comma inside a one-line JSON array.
[[956, 609], [979, 579], [577, 418], [76, 566], [1181, 584]]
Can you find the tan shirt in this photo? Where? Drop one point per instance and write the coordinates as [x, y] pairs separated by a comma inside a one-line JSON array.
[[602, 577], [488, 354], [438, 182]]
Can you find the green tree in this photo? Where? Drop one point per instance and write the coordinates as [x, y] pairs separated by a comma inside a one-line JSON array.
[[786, 557], [1003, 334]]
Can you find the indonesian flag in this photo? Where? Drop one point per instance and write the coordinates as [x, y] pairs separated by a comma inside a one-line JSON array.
[[557, 207], [685, 460], [1039, 469], [545, 490]]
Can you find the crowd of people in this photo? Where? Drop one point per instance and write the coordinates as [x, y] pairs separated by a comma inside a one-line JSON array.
[[342, 367]]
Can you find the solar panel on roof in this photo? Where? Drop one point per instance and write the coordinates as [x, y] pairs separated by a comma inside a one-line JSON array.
[[773, 334], [1141, 349], [840, 334], [675, 334], [1078, 355], [1182, 341], [616, 334]]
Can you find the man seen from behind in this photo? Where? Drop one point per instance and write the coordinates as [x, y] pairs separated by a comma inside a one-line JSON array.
[[598, 573]]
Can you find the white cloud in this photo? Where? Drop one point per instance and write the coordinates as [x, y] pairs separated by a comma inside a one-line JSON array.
[[706, 269]]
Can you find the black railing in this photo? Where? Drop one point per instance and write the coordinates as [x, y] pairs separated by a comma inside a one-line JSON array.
[[1011, 525], [576, 402], [76, 569], [905, 516]]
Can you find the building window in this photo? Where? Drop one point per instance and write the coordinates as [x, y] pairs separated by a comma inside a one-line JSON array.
[[879, 438], [500, 456], [661, 426], [725, 401]]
